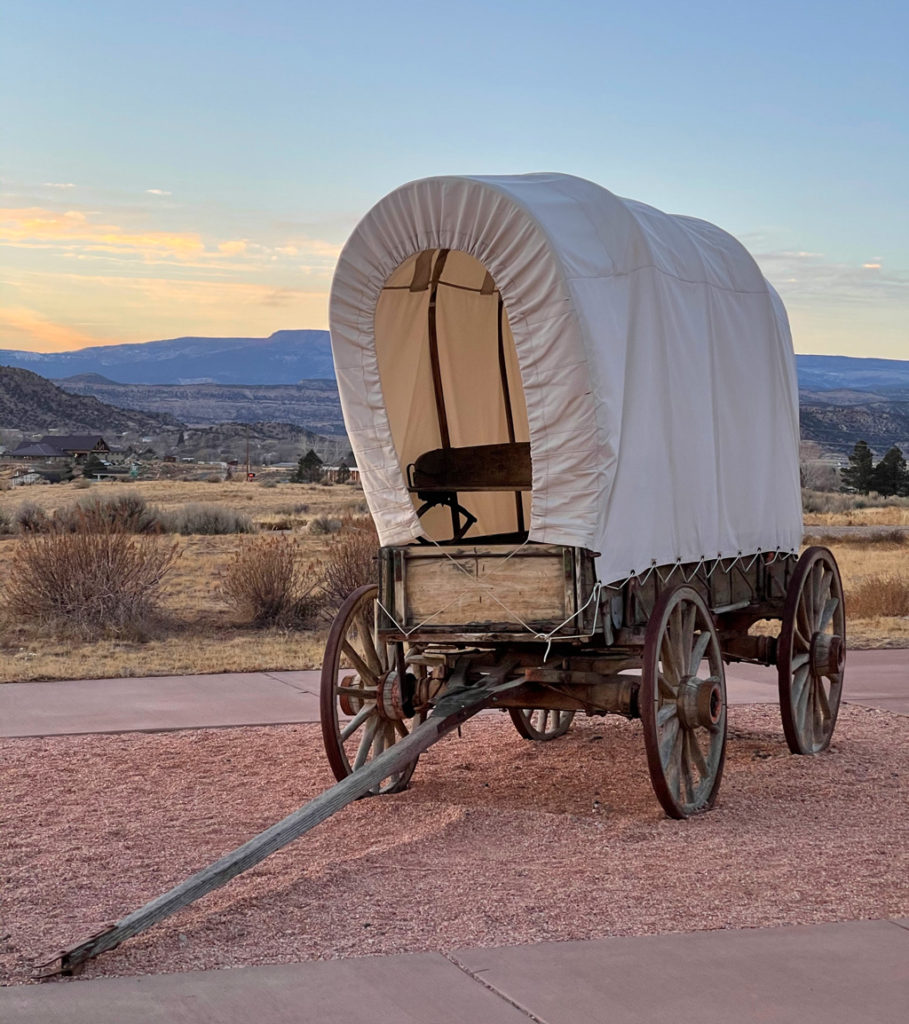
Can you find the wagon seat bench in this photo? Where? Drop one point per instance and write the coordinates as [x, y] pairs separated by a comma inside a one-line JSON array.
[[437, 477]]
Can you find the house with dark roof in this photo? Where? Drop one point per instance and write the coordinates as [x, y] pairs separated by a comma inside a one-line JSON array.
[[62, 446]]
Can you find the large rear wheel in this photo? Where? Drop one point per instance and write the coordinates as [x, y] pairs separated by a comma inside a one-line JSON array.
[[811, 652], [683, 703]]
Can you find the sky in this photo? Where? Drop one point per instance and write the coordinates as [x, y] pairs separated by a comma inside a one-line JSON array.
[[177, 169]]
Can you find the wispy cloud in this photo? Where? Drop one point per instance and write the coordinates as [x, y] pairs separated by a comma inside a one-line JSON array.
[[809, 277], [37, 227], [87, 234], [158, 192], [59, 184]]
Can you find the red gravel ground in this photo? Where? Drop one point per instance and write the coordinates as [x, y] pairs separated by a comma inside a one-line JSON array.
[[499, 841]]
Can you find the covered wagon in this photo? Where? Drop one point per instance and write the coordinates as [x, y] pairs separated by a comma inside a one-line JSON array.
[[576, 423], [575, 420]]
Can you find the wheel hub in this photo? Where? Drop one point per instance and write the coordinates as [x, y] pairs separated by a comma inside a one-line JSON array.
[[828, 654], [394, 699], [350, 702], [700, 703]]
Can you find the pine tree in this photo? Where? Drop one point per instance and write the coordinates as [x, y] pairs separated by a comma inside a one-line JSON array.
[[309, 469], [890, 476], [857, 475], [92, 466]]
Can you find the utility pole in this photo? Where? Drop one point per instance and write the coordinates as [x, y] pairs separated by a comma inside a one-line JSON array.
[[247, 453]]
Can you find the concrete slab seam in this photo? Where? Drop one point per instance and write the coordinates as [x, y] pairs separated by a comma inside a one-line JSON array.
[[904, 924], [474, 976], [291, 686]]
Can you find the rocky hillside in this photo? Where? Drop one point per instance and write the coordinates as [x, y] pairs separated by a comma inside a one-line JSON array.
[[836, 427], [31, 404], [312, 403]]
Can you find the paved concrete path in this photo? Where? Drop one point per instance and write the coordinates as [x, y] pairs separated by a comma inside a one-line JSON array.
[[847, 973], [156, 703]]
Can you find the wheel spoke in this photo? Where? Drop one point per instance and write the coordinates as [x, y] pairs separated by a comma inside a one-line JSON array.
[[697, 654], [823, 702], [667, 657], [358, 719], [665, 714], [697, 755], [800, 659], [370, 653], [363, 670], [804, 617], [666, 689], [800, 685], [670, 733], [366, 743], [681, 644], [686, 766], [672, 761], [827, 617]]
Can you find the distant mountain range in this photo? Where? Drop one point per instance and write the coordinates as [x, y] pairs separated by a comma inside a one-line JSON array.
[[845, 373], [283, 358], [289, 378]]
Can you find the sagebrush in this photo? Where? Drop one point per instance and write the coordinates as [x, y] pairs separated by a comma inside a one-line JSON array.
[[351, 560], [206, 520], [88, 585], [878, 596], [267, 584]]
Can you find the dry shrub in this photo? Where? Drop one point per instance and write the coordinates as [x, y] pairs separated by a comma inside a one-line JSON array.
[[323, 525], [828, 540], [351, 560], [266, 584], [878, 596], [206, 520], [123, 513], [88, 584], [31, 518]]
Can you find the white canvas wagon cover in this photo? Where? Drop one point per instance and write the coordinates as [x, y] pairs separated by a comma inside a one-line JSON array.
[[648, 363]]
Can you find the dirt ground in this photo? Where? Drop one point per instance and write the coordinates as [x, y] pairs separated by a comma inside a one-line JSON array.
[[499, 841]]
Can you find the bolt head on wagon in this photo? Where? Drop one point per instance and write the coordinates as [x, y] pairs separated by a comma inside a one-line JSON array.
[[575, 420]]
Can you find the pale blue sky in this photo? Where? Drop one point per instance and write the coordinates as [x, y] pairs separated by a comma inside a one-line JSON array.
[[193, 168]]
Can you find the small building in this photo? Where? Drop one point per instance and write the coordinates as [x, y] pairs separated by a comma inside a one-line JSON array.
[[62, 446]]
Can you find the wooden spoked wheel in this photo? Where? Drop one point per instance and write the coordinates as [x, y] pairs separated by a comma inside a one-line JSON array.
[[365, 709], [811, 652], [683, 703], [541, 725]]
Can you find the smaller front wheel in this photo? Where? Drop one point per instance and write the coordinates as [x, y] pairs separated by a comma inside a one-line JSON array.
[[683, 703], [541, 725], [365, 707]]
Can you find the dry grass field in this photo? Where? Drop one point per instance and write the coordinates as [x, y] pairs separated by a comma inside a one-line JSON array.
[[199, 632]]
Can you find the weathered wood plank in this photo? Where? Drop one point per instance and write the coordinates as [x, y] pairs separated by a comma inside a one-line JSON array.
[[475, 587], [454, 709]]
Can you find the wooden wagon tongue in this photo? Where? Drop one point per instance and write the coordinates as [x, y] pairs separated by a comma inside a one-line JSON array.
[[452, 710]]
